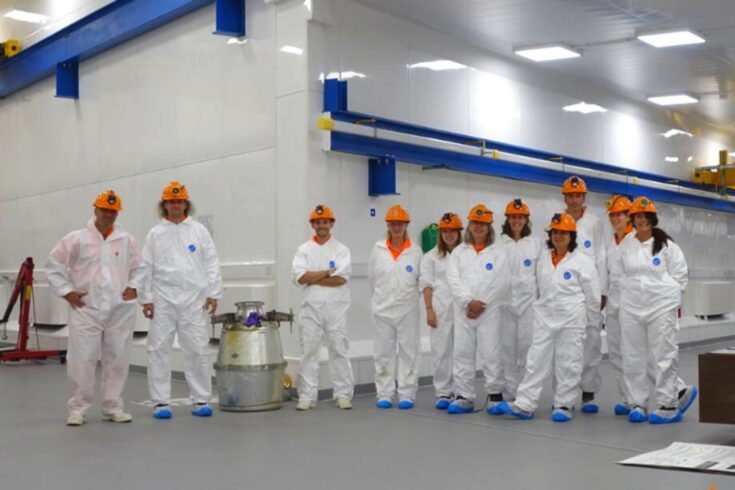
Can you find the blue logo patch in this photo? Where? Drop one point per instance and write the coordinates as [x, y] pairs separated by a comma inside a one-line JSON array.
[[192, 248], [567, 275], [332, 264], [587, 244], [527, 262], [489, 266], [656, 261], [409, 268]]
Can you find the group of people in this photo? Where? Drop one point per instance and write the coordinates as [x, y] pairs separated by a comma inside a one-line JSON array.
[[521, 307]]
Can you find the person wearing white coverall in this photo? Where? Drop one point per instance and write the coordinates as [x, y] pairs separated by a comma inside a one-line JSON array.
[[569, 298], [182, 286], [654, 277], [321, 267], [591, 240], [523, 251], [97, 271], [439, 307], [478, 276], [393, 275]]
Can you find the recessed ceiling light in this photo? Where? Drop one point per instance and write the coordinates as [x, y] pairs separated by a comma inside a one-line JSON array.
[[674, 132], [439, 65], [585, 108], [548, 52], [24, 16], [340, 75], [665, 39], [292, 49], [672, 159], [673, 99]]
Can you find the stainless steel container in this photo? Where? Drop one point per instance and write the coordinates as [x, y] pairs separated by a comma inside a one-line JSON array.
[[250, 366]]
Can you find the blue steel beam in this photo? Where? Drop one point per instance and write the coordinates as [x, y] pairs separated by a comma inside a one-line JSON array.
[[105, 28], [437, 158]]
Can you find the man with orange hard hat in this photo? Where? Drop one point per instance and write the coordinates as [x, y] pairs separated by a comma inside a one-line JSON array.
[[321, 267], [97, 271]]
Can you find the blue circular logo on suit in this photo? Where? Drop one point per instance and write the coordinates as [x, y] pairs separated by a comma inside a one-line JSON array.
[[489, 266], [567, 275], [656, 261], [332, 264], [527, 262], [409, 268], [192, 248], [587, 244]]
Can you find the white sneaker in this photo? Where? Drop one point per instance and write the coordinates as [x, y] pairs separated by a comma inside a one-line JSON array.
[[344, 404], [304, 405], [75, 420], [119, 417]]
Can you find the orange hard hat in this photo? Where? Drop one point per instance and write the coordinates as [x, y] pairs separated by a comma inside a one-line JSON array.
[[108, 200], [321, 212], [481, 213], [517, 206], [450, 221], [174, 191], [562, 222], [642, 205], [574, 185], [397, 213], [618, 204]]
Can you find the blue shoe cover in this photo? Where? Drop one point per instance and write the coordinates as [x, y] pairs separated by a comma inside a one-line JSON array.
[[590, 407], [505, 407], [495, 410], [405, 405], [442, 403], [201, 411], [384, 404], [695, 392], [559, 416], [454, 408], [163, 413], [621, 409], [657, 419], [637, 417]]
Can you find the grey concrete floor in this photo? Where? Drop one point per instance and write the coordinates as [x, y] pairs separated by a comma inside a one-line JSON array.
[[364, 448]]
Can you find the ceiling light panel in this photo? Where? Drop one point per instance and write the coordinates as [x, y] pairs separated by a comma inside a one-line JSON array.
[[671, 38], [549, 52], [673, 99]]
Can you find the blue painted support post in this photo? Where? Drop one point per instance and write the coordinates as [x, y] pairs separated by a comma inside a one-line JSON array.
[[382, 176], [230, 18], [335, 95], [67, 79]]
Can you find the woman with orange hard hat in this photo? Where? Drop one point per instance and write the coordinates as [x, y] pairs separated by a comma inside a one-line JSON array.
[[439, 310], [393, 276], [478, 278], [569, 298], [655, 275]]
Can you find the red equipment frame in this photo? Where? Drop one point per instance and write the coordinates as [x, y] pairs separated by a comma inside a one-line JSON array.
[[23, 290]]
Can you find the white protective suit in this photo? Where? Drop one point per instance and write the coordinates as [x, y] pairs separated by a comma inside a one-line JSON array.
[[84, 261], [649, 301], [324, 314], [395, 310], [591, 241], [569, 300], [181, 272], [434, 276], [484, 276], [517, 329]]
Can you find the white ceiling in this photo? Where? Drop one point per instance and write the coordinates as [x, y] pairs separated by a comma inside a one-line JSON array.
[[626, 66]]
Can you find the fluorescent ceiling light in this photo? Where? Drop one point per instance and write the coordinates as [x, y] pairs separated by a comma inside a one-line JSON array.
[[673, 99], [690, 159], [439, 65], [674, 132], [585, 108], [549, 52], [672, 159], [307, 4], [667, 39], [343, 75], [24, 16], [234, 40], [292, 49]]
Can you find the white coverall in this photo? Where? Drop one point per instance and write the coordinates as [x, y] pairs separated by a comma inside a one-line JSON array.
[[569, 300], [395, 310], [324, 314], [517, 329], [84, 261], [181, 272], [434, 276], [483, 276], [648, 312], [591, 241]]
